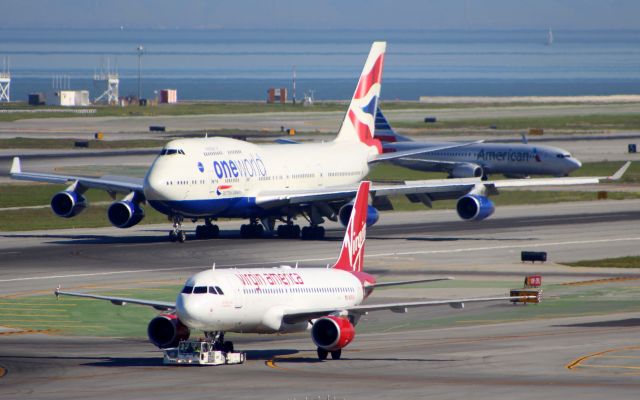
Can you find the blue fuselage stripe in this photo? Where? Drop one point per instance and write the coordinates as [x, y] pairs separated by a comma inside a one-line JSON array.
[[234, 207]]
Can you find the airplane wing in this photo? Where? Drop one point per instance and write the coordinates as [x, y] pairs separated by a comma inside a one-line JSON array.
[[119, 184], [420, 150], [426, 191], [398, 283], [296, 316], [121, 301]]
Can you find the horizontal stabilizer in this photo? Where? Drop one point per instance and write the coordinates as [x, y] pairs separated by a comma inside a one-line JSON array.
[[398, 283], [16, 166]]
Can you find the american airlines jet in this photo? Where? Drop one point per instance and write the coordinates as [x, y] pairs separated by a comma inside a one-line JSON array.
[[476, 159], [210, 178], [326, 301]]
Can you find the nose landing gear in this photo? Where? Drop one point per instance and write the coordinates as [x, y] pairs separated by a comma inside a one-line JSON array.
[[177, 234], [218, 342]]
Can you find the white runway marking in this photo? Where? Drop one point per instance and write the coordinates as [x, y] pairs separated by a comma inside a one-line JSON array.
[[292, 262]]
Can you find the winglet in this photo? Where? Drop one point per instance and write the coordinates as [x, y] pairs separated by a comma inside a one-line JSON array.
[[16, 167], [620, 172]]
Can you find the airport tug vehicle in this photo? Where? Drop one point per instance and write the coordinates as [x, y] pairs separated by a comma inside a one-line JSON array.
[[531, 291], [201, 352]]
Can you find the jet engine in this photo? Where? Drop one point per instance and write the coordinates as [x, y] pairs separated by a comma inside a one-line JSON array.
[[345, 213], [466, 171], [473, 207], [125, 213], [166, 330], [68, 203], [332, 333]]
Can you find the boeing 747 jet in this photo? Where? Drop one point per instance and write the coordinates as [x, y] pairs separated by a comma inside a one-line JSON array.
[[204, 179]]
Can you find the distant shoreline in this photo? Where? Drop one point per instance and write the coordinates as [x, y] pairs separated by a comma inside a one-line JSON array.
[[604, 99]]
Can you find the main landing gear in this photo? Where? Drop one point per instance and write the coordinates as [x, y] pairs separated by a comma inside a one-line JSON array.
[[218, 342], [313, 232], [252, 230], [290, 231], [323, 353], [208, 230], [177, 234]]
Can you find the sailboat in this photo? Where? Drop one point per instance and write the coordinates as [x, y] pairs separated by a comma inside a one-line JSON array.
[[549, 37]]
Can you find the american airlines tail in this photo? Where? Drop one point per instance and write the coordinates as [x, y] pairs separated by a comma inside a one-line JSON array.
[[352, 254], [384, 132], [359, 122]]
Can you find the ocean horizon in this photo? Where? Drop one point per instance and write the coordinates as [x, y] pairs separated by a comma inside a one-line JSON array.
[[229, 64]]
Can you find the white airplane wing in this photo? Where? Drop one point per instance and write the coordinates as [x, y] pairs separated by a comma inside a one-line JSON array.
[[398, 283], [434, 189], [406, 153], [295, 316], [121, 301], [120, 184]]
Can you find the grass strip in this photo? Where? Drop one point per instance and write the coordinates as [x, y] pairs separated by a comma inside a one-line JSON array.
[[619, 262]]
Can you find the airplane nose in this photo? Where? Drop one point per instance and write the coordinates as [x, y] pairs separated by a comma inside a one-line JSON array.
[[189, 311], [576, 163]]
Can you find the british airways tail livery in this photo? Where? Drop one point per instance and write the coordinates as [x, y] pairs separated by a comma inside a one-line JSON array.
[[477, 159], [325, 301], [204, 179]]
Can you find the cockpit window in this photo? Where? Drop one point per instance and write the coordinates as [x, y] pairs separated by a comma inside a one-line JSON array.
[[212, 290], [567, 155], [167, 152], [187, 289], [219, 290], [199, 290]]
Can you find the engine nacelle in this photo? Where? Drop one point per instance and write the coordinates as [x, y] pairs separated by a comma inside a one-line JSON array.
[[166, 330], [466, 171], [332, 333], [345, 213], [473, 207], [125, 214], [68, 204]]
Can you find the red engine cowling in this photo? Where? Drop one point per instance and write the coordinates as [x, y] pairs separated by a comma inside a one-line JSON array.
[[166, 330], [332, 333]]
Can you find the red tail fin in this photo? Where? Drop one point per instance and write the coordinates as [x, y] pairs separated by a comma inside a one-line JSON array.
[[352, 254]]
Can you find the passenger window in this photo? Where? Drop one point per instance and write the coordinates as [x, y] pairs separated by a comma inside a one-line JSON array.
[[219, 290], [200, 290], [187, 289]]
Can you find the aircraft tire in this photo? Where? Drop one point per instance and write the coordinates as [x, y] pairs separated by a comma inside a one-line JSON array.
[[336, 354], [322, 354], [227, 347]]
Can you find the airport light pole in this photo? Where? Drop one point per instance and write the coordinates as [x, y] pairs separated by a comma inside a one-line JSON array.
[[140, 50]]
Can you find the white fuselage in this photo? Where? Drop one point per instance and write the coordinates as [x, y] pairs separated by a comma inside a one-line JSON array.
[[254, 300], [218, 177], [509, 159]]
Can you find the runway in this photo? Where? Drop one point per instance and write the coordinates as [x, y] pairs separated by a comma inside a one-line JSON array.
[[301, 121], [478, 352]]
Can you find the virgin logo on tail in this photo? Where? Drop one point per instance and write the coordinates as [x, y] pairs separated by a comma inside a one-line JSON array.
[[352, 253]]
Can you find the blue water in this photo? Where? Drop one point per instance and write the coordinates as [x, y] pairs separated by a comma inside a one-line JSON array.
[[242, 64]]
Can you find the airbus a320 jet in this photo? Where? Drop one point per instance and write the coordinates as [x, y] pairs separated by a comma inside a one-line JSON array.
[[325, 301]]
